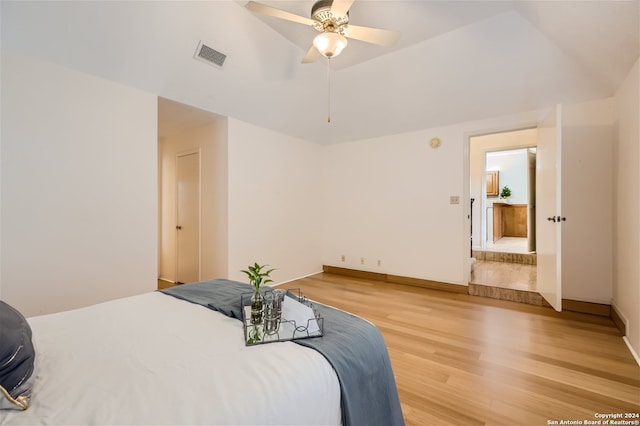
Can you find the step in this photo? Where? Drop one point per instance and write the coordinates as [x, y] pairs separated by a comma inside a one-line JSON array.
[[521, 296], [495, 256]]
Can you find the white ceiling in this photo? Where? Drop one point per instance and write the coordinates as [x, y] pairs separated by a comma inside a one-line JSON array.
[[455, 61]]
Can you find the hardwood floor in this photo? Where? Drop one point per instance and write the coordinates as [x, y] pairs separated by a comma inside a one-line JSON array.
[[164, 284], [465, 360]]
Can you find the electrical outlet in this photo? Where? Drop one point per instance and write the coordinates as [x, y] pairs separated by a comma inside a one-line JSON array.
[[454, 199], [342, 258], [362, 260], [379, 262]]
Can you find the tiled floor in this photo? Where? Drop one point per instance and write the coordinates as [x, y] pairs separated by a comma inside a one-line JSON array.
[[509, 245]]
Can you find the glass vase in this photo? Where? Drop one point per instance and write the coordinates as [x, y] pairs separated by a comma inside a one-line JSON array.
[[257, 307]]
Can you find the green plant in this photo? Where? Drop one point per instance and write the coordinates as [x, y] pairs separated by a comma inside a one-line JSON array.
[[254, 336], [506, 192], [257, 277]]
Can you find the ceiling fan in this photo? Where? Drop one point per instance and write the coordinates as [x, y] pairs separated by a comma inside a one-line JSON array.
[[331, 19]]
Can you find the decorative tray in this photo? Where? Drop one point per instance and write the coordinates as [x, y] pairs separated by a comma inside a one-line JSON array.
[[297, 319]]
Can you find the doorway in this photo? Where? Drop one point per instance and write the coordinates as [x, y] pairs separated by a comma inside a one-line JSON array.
[[183, 130], [502, 180]]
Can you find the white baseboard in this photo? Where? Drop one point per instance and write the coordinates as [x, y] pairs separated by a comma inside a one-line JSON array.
[[626, 327], [633, 352]]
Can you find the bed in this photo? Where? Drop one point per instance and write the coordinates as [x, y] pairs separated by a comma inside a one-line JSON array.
[[168, 357]]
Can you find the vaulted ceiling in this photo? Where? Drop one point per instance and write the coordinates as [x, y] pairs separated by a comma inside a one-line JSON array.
[[455, 60]]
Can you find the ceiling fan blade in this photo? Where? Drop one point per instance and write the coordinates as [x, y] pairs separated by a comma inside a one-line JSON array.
[[340, 7], [312, 55], [372, 35], [272, 11]]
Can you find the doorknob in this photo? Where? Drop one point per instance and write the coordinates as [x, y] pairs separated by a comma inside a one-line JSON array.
[[178, 227], [557, 219]]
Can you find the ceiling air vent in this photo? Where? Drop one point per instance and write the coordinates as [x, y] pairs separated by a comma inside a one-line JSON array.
[[209, 55]]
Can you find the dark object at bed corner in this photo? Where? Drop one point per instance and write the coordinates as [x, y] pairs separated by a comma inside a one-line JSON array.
[[17, 359], [354, 347]]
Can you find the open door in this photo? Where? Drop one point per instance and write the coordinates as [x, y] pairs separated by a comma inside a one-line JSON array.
[[548, 208]]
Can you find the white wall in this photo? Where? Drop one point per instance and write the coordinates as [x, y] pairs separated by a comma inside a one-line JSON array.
[[388, 199], [274, 202], [211, 140], [626, 249], [1, 173], [513, 168], [79, 194]]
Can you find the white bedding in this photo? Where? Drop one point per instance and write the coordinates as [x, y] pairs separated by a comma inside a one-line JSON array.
[[155, 359]]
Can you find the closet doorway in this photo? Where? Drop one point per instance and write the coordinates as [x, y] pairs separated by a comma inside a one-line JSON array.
[[192, 193]]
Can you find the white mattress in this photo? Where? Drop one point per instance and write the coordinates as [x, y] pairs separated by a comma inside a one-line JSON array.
[[154, 359]]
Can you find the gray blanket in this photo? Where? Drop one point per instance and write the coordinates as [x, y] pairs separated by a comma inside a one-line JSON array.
[[354, 348]]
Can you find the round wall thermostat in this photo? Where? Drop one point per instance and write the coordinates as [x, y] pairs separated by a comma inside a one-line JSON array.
[[435, 142]]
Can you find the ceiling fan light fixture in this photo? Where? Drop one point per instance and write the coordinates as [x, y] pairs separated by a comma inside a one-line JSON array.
[[330, 44]]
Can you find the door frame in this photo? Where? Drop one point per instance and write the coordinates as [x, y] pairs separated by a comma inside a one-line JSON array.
[[199, 192], [532, 178], [539, 123], [466, 190]]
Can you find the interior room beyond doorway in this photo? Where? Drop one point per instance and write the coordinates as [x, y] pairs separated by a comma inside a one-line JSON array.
[[502, 173]]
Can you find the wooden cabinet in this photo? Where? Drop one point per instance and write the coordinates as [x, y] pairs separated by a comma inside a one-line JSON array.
[[493, 183], [498, 223], [509, 220], [515, 223]]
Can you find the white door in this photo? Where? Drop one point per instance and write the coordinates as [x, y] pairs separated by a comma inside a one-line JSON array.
[[548, 208], [188, 218]]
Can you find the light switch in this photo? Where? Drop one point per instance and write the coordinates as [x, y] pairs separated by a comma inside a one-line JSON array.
[[454, 199]]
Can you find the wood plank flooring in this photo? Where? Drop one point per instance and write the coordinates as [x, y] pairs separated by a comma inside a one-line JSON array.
[[465, 360]]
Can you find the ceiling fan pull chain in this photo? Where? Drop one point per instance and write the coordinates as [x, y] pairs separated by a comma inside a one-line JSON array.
[[329, 90]]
